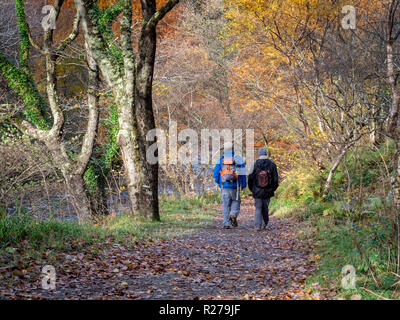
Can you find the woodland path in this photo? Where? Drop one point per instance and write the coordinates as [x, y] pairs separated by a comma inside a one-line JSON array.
[[211, 262]]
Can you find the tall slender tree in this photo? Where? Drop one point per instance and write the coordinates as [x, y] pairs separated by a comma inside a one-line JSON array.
[[392, 34]]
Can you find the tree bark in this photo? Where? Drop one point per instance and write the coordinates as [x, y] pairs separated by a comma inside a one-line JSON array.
[[72, 169], [132, 88], [328, 184], [73, 177], [79, 198], [144, 110], [393, 127], [396, 188]]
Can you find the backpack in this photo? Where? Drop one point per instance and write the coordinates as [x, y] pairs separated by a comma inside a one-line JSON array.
[[263, 175], [228, 171]]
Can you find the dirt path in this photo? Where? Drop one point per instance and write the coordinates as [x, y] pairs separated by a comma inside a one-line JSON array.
[[212, 262]]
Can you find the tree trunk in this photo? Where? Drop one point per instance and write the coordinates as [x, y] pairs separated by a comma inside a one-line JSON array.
[[74, 181], [393, 128], [132, 150], [130, 158], [148, 202], [79, 197], [132, 88], [376, 136], [328, 184], [396, 188]]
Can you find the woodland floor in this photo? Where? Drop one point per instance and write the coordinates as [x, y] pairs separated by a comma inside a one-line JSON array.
[[210, 263]]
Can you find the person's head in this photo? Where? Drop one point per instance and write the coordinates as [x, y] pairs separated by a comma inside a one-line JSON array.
[[228, 146], [262, 152]]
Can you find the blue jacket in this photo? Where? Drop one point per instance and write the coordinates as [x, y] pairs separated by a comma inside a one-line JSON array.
[[239, 163]]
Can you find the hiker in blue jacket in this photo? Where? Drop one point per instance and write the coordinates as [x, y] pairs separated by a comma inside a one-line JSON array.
[[230, 175]]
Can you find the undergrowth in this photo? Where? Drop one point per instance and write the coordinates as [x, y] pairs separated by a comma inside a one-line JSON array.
[[355, 225], [177, 217]]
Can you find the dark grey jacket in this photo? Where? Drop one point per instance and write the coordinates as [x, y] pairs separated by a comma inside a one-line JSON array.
[[263, 193]]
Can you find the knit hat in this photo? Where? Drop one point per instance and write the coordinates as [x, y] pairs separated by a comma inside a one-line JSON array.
[[228, 146], [262, 152]]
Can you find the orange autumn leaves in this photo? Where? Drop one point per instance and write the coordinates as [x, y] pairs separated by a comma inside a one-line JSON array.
[[166, 25], [64, 24]]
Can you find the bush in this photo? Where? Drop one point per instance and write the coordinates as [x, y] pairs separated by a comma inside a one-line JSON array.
[[300, 185], [365, 167]]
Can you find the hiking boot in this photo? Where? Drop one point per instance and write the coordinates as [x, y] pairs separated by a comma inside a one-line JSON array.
[[227, 227], [233, 221]]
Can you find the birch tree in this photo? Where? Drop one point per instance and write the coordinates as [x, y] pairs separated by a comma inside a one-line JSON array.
[[391, 35]]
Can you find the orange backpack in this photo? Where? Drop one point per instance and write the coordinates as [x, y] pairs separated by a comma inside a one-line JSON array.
[[228, 171]]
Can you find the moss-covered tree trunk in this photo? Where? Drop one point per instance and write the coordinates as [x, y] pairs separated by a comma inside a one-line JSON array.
[[131, 84], [34, 123]]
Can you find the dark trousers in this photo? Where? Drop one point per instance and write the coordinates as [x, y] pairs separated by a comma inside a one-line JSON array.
[[261, 214]]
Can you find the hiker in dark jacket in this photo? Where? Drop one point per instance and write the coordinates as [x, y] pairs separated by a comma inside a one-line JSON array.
[[263, 181]]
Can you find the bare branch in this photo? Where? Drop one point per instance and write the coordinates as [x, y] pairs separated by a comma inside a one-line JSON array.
[[160, 14], [72, 36]]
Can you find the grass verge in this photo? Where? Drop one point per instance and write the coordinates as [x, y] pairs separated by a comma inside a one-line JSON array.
[[356, 225], [341, 243], [177, 217]]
